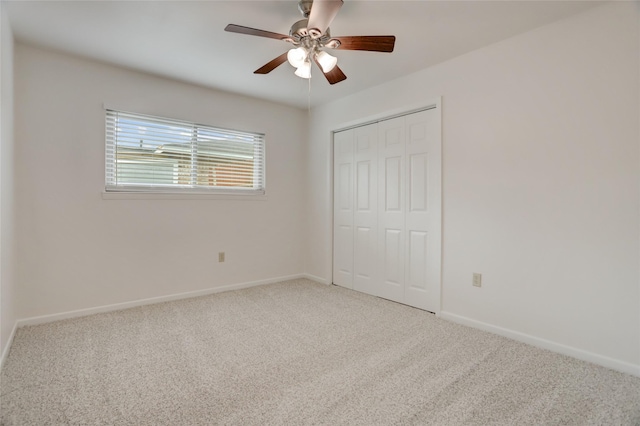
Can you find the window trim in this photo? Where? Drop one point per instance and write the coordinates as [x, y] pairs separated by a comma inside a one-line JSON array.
[[151, 191]]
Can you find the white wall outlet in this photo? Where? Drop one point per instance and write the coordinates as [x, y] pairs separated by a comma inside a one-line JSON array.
[[477, 279], [221, 256]]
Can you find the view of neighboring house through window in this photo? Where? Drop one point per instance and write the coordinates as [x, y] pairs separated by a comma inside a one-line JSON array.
[[145, 153]]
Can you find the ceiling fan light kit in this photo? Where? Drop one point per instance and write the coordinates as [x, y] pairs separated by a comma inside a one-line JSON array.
[[299, 58], [310, 36]]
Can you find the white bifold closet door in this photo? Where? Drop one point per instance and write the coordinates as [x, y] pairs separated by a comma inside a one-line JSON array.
[[387, 198]]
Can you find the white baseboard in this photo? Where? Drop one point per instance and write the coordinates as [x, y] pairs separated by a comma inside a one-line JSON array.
[[604, 361], [7, 347], [316, 279], [126, 305]]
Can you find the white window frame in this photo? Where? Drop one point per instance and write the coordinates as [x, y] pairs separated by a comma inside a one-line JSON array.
[[119, 189]]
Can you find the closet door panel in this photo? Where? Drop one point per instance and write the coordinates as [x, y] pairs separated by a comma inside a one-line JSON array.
[[393, 257], [366, 209], [421, 175], [417, 196], [391, 252], [343, 207], [417, 261]]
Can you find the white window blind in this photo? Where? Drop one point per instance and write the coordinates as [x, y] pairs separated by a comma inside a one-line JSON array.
[[146, 153]]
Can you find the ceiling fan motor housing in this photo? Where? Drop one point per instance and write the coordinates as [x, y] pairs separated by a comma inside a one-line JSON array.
[[300, 34], [299, 29]]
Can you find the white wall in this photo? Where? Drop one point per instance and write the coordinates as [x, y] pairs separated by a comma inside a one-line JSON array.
[[540, 181], [77, 250], [8, 297]]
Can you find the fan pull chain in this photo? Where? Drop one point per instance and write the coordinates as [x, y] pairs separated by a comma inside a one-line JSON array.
[[309, 98]]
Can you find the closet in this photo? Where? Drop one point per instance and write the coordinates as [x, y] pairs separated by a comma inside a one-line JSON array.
[[387, 209]]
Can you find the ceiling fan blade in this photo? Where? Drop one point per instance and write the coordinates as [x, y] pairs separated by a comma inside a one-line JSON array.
[[334, 76], [322, 13], [270, 66], [369, 43], [232, 28]]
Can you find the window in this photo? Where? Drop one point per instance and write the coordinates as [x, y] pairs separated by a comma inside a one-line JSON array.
[[150, 154]]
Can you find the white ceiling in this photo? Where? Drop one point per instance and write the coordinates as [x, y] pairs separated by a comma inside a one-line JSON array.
[[185, 40]]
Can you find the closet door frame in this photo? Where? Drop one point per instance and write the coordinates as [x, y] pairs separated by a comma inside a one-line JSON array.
[[435, 284]]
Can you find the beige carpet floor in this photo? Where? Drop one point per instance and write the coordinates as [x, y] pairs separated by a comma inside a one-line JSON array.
[[297, 353]]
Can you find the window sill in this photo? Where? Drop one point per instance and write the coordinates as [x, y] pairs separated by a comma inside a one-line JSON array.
[[117, 195]]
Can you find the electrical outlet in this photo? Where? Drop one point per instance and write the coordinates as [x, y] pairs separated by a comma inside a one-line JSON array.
[[477, 279], [221, 256]]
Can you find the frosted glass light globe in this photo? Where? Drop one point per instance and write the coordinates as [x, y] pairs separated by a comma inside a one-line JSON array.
[[326, 61], [297, 56], [304, 70]]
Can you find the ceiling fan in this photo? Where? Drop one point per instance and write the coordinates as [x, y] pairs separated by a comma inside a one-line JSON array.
[[310, 36]]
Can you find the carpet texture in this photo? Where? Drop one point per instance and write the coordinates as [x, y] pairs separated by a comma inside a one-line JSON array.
[[297, 353]]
